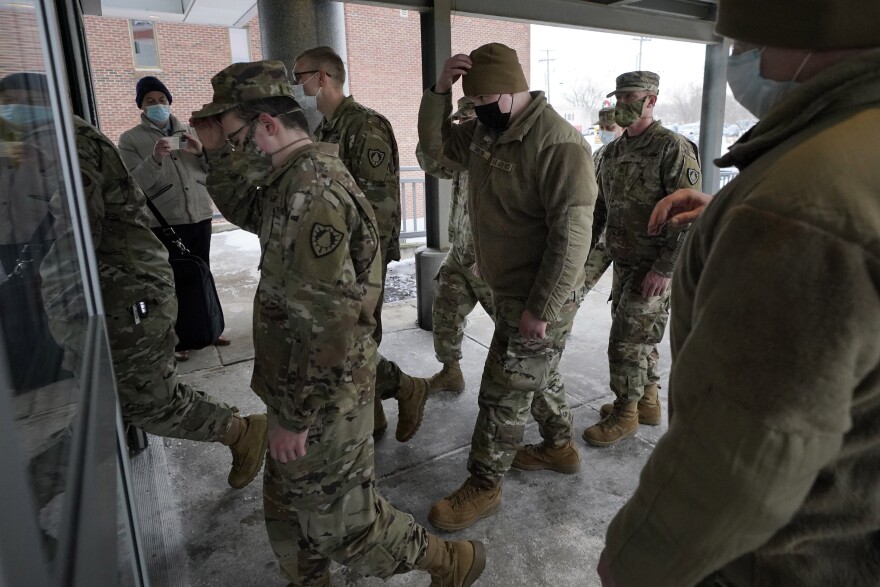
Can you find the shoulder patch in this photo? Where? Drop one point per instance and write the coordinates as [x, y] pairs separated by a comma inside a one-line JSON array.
[[375, 157], [693, 176], [324, 239]]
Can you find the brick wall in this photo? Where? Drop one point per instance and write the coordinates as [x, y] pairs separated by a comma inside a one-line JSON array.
[[188, 56], [20, 48]]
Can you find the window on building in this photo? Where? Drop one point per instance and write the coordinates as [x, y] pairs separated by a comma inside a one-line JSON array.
[[239, 45], [143, 37], [569, 116]]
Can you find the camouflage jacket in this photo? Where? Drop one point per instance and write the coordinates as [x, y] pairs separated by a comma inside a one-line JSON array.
[[368, 150], [132, 264], [460, 235], [636, 174], [531, 192], [320, 278]]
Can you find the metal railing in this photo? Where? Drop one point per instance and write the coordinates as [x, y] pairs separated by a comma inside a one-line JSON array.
[[726, 176], [412, 202]]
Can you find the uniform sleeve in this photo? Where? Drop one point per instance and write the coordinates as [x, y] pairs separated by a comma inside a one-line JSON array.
[[323, 304], [145, 171], [233, 184], [432, 166], [434, 125], [569, 207], [759, 409], [600, 214], [680, 169], [90, 156], [373, 166]]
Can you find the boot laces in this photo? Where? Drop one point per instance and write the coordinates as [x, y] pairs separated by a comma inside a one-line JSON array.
[[463, 494]]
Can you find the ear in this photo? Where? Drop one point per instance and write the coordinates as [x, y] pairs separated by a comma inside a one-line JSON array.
[[652, 100], [270, 122]]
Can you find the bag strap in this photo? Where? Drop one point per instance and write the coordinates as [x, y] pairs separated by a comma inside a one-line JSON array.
[[166, 228], [25, 255]]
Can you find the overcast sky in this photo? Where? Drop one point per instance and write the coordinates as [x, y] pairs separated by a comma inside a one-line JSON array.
[[579, 53]]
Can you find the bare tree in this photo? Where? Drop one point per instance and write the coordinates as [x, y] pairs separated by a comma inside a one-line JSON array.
[[683, 105], [586, 94]]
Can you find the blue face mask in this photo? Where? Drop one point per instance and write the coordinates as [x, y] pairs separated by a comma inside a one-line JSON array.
[[25, 114], [756, 93], [158, 113], [606, 136]]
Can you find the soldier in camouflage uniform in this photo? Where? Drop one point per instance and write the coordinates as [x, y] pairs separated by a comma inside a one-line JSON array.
[[315, 357], [599, 259], [459, 288], [368, 149], [531, 236], [644, 165], [140, 307]]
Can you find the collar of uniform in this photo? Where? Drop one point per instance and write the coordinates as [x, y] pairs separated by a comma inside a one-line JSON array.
[[526, 120], [346, 103], [848, 86], [299, 152], [640, 141]]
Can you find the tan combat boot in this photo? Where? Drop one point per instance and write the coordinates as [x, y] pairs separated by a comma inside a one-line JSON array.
[[464, 506], [563, 459], [411, 397], [649, 406], [622, 422], [247, 440], [380, 423], [450, 378], [453, 564]]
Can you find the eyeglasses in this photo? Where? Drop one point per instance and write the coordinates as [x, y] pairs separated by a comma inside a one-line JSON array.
[[299, 74], [232, 135]]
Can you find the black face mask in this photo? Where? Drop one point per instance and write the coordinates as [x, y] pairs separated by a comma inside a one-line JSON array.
[[492, 116]]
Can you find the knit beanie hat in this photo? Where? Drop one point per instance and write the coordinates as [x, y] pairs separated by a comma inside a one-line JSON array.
[[495, 70], [801, 24], [149, 84]]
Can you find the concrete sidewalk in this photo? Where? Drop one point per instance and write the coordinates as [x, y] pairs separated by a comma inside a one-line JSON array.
[[551, 527]]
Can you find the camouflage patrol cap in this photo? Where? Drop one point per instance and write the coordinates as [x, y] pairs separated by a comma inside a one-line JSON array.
[[637, 81], [465, 109], [241, 82], [606, 117], [801, 24]]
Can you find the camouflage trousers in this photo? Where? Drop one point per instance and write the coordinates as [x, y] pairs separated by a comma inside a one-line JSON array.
[[458, 292], [325, 506], [150, 395], [637, 327], [520, 374], [597, 264]]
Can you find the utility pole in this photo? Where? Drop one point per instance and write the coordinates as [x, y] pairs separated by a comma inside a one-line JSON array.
[[641, 41], [547, 60]]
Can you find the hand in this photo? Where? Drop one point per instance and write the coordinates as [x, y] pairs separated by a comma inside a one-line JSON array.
[[604, 571], [679, 208], [531, 327], [455, 67], [193, 145], [285, 445], [209, 131], [654, 284], [161, 150]]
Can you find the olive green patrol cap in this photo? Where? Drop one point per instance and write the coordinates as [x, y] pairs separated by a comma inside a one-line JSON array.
[[606, 117], [495, 69], [637, 81], [465, 109], [801, 24], [242, 82]]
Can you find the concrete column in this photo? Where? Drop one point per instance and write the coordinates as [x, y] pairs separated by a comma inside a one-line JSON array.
[[289, 28], [436, 49], [712, 115]]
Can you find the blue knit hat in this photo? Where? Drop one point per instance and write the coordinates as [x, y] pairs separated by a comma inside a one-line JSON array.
[[149, 84]]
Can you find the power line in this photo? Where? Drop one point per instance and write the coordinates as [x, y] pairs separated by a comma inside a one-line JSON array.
[[547, 60]]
